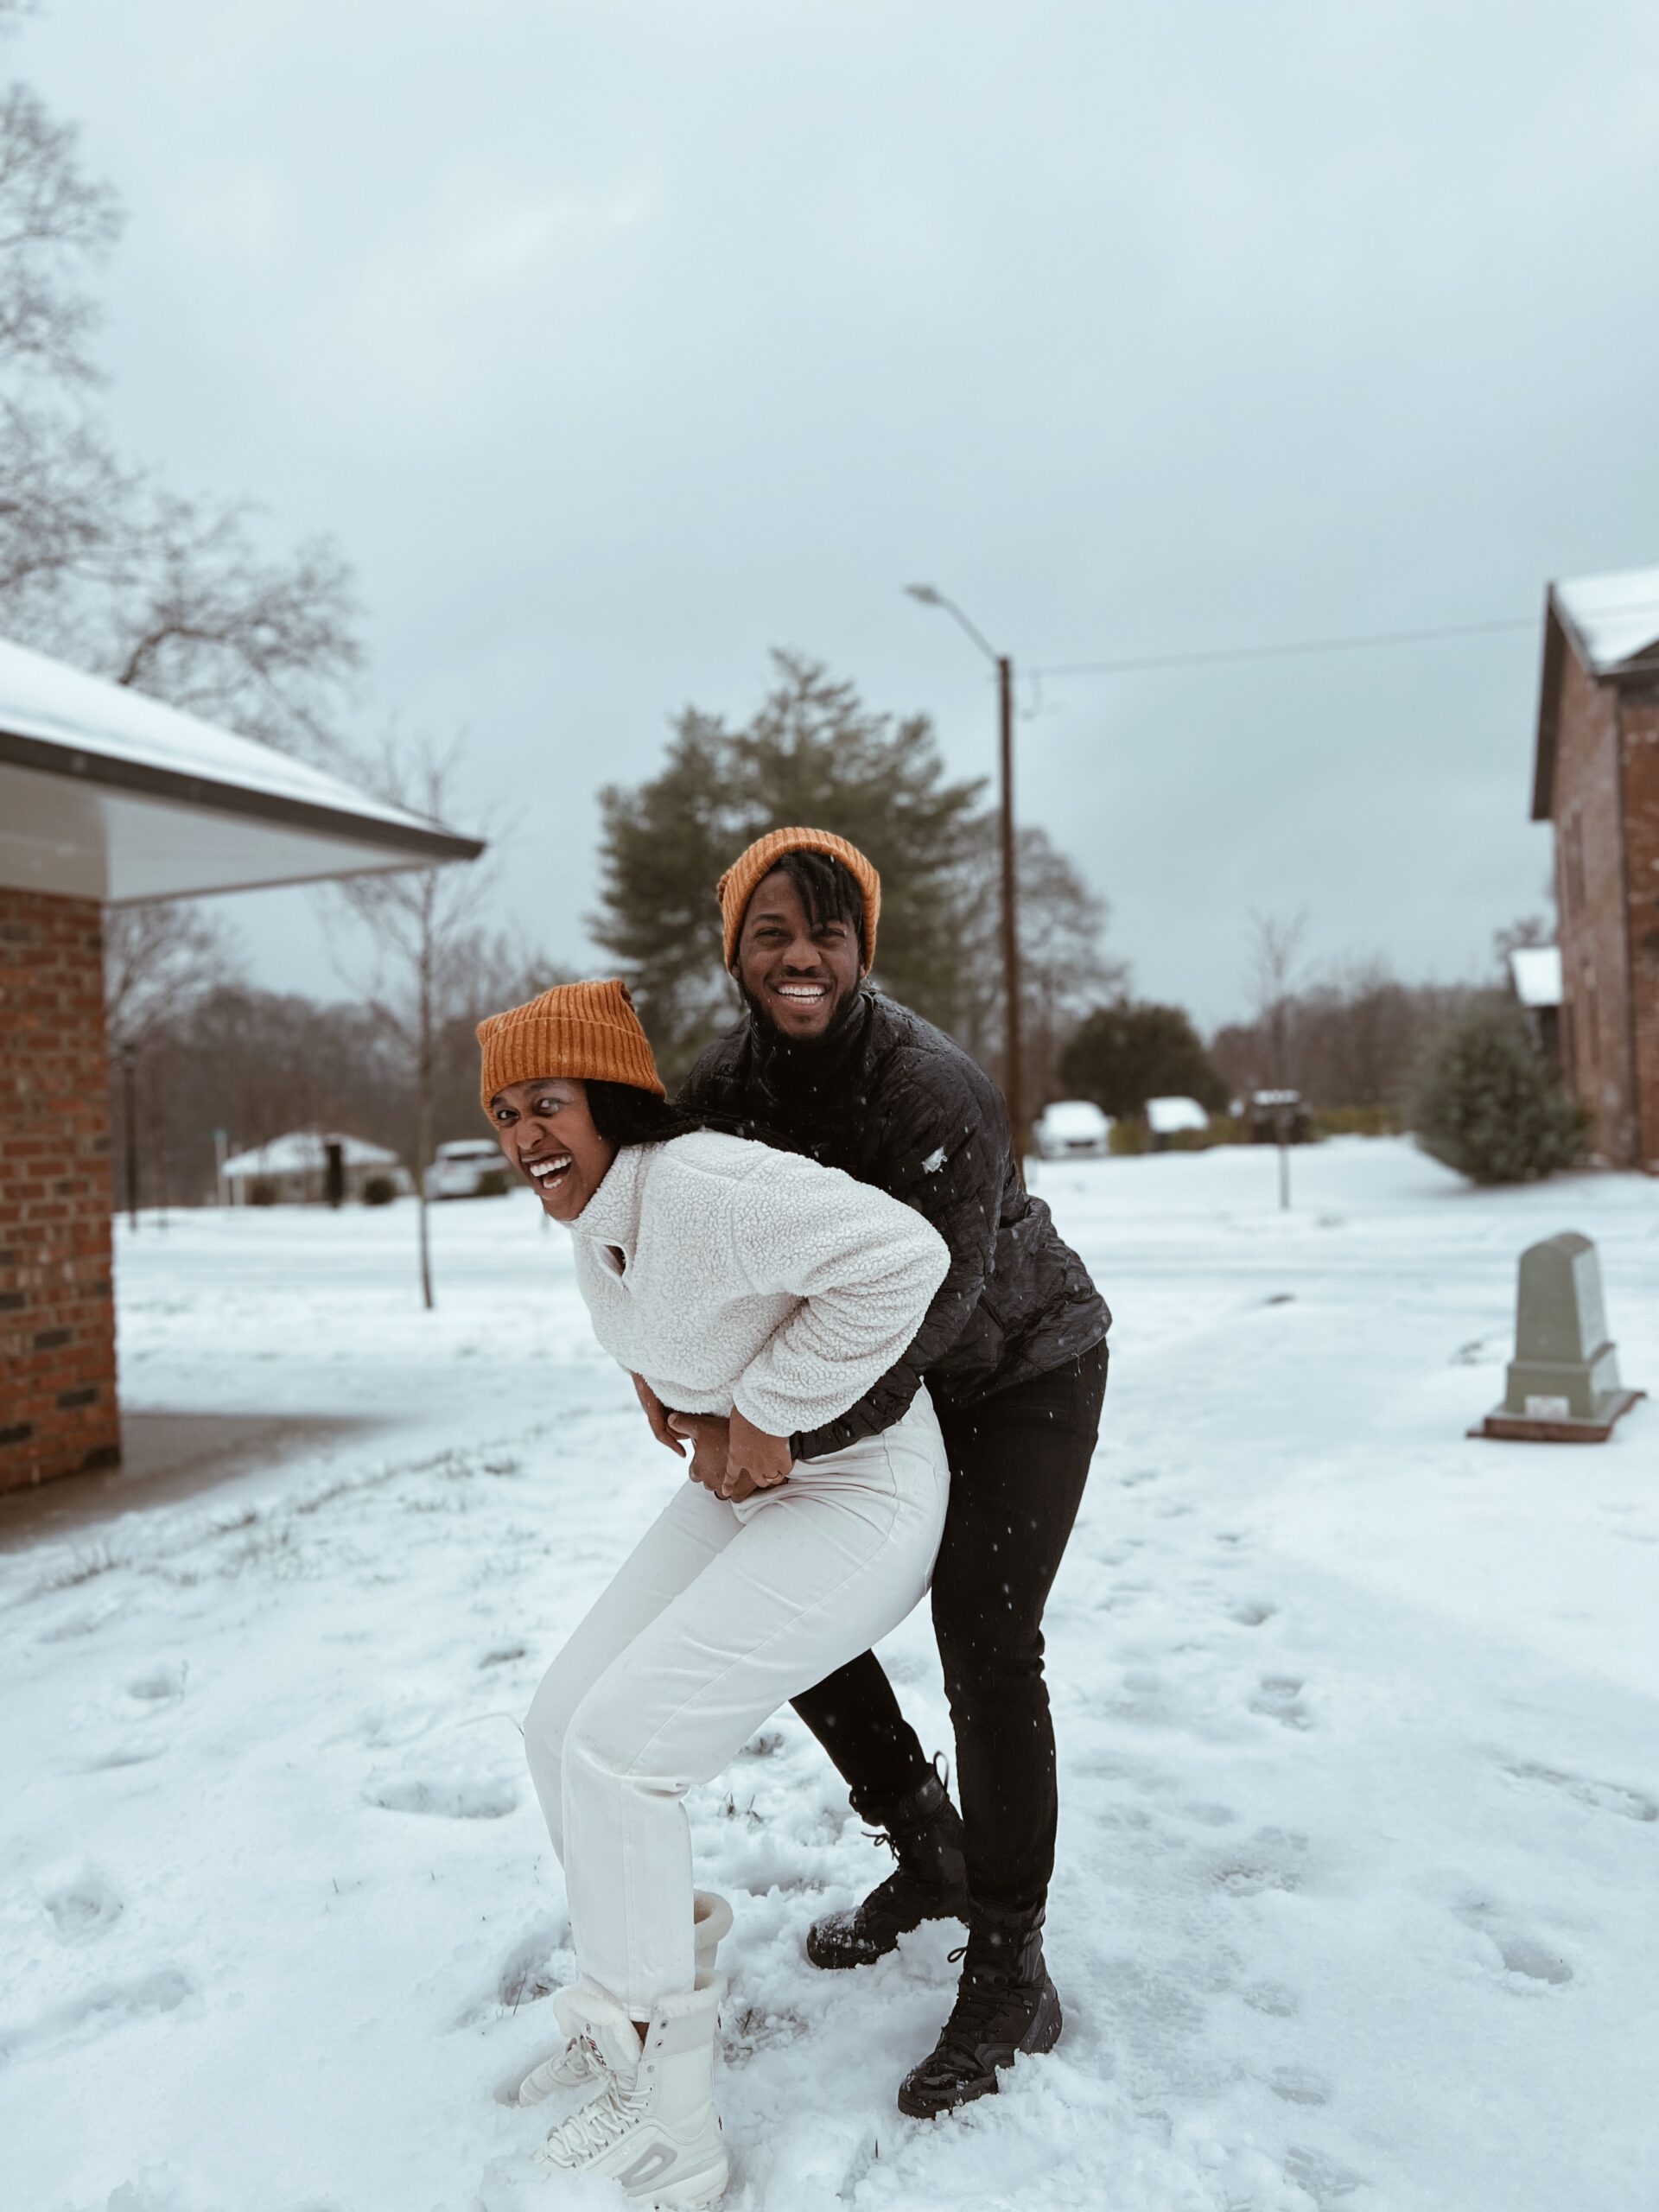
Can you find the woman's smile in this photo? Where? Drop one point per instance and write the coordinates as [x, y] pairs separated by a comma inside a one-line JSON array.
[[548, 1172]]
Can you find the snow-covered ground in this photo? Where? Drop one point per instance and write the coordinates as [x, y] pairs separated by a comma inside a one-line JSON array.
[[1358, 1718]]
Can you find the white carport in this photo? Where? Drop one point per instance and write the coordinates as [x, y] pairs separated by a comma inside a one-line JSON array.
[[110, 798], [106, 794]]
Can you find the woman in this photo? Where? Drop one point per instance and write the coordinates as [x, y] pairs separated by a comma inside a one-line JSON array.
[[749, 1282]]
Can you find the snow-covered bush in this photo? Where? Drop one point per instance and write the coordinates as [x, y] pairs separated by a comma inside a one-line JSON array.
[[1487, 1104]]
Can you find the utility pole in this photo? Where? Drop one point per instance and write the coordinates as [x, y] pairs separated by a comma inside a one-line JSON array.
[[1014, 1074], [1013, 1089]]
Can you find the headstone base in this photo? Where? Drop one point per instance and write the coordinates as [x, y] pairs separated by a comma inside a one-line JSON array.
[[1558, 1429]]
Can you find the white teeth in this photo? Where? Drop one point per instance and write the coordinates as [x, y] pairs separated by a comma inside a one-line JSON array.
[[801, 990], [541, 1169]]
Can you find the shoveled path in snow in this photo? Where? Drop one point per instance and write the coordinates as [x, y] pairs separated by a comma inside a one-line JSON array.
[[1357, 1719]]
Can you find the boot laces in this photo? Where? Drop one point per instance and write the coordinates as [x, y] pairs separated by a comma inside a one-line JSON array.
[[617, 2109], [980, 1995]]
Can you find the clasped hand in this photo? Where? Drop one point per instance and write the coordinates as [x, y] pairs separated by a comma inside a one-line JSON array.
[[730, 1457]]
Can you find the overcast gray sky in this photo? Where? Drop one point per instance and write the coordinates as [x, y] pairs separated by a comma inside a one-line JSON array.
[[617, 342]]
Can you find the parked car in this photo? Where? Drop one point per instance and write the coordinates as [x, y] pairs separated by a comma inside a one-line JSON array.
[[1073, 1129], [1280, 1117], [1173, 1117], [468, 1167]]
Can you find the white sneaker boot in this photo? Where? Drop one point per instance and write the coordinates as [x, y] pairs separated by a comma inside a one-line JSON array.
[[653, 2126], [576, 2060]]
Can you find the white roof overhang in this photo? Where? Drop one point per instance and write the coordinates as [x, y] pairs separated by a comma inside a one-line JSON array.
[[106, 794]]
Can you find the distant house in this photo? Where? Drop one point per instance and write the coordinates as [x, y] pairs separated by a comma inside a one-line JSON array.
[[1596, 777], [300, 1168], [110, 798]]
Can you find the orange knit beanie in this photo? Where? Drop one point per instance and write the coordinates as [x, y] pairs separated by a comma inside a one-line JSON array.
[[736, 887], [575, 1029]]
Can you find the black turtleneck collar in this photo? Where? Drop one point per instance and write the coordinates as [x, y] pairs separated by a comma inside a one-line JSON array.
[[808, 1074]]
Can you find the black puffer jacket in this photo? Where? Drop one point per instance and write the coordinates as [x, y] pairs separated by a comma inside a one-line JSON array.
[[891, 1100]]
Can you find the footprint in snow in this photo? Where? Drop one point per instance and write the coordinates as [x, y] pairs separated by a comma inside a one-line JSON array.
[[1272, 1998], [1325, 2179], [447, 1801], [1280, 1698], [1523, 1959], [158, 1685], [82, 1908], [1299, 2085], [112, 2005], [1256, 1613], [122, 1754], [1269, 1860], [1602, 1796]]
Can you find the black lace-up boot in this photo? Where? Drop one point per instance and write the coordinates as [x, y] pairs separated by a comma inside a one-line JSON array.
[[923, 1830], [1004, 2004]]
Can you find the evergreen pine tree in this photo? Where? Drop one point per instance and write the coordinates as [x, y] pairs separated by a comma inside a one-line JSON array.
[[1487, 1105], [1120, 1056], [815, 755]]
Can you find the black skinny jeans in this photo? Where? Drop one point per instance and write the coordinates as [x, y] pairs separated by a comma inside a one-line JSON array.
[[1018, 1467]]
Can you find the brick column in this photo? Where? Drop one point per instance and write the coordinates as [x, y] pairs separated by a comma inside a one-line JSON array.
[[58, 1411]]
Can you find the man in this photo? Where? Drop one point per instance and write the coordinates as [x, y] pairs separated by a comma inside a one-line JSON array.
[[1013, 1350]]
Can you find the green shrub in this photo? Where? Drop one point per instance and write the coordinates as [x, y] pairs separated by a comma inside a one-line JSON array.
[[379, 1189], [1186, 1141], [1129, 1137], [261, 1194], [493, 1183], [1486, 1104]]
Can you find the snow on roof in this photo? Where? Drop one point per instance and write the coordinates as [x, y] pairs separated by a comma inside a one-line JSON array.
[[1537, 972], [1165, 1118], [105, 793], [304, 1152], [1612, 619]]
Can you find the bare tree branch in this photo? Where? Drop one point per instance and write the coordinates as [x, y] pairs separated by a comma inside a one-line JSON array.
[[422, 925], [52, 218], [158, 961]]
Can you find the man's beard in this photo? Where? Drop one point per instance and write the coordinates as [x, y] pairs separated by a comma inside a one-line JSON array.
[[807, 1048]]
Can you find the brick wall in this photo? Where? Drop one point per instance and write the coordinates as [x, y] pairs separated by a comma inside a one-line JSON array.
[[58, 1409], [1590, 896], [1640, 732]]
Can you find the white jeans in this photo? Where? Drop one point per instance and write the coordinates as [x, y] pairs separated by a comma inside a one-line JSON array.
[[720, 1615]]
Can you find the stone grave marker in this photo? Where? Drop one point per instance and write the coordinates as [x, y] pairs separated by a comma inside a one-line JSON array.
[[1563, 1385]]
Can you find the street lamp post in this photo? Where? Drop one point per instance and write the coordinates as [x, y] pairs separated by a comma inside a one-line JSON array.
[[1013, 1073]]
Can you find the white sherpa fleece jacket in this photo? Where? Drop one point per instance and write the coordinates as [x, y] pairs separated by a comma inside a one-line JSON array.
[[729, 1273]]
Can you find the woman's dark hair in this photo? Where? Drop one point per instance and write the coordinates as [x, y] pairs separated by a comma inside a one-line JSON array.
[[624, 1113], [829, 891]]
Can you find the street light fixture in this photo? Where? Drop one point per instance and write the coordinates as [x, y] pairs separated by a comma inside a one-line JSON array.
[[1013, 1082]]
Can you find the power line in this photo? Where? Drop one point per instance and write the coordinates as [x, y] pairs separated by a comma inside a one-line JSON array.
[[1369, 642]]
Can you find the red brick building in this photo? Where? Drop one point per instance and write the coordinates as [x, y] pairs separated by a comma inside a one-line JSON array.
[[1596, 779], [107, 797]]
